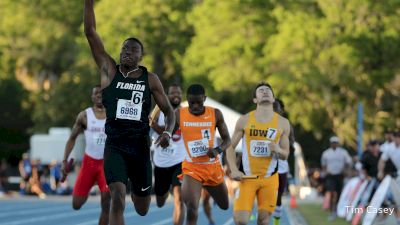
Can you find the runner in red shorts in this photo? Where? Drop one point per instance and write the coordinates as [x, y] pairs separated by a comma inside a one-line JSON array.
[[91, 121]]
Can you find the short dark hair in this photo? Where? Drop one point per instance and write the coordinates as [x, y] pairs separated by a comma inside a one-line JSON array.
[[95, 86], [260, 85], [137, 41], [173, 85], [373, 142], [195, 89]]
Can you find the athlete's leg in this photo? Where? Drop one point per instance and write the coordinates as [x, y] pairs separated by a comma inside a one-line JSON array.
[[219, 194], [118, 192], [267, 198], [179, 213], [105, 208], [105, 194], [244, 200], [207, 206], [86, 178], [162, 183], [241, 217], [140, 175], [263, 217], [191, 191], [161, 199], [141, 203], [115, 170], [78, 201], [278, 209]]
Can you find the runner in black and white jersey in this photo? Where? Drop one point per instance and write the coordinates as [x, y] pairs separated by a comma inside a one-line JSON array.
[[127, 91]]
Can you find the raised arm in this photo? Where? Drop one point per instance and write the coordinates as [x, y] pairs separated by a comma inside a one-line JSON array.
[[79, 126], [230, 152], [162, 101], [105, 63]]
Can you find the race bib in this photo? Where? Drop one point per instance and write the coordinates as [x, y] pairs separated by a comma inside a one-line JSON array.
[[130, 109], [198, 148], [259, 148], [168, 151], [99, 138]]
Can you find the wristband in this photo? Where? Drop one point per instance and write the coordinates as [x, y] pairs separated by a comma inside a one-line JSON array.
[[168, 133], [218, 149]]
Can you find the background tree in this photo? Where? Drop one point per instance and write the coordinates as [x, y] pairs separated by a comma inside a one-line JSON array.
[[321, 57]]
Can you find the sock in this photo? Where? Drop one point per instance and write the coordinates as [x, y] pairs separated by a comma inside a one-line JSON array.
[[278, 212], [276, 221]]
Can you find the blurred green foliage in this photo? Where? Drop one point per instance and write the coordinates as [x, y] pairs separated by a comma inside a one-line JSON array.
[[321, 57]]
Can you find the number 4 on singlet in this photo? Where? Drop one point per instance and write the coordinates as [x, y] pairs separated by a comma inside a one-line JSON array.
[[206, 133]]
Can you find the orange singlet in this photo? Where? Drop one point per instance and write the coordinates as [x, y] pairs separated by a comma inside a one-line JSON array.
[[198, 134]]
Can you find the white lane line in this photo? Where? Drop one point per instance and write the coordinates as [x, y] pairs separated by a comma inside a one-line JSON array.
[[49, 217], [169, 220], [127, 215], [17, 212], [230, 221], [162, 222]]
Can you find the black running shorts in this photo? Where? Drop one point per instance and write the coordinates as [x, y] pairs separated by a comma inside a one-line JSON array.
[[166, 177], [119, 166]]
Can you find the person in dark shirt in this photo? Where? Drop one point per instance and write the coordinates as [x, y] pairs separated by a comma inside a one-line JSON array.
[[370, 159], [127, 92]]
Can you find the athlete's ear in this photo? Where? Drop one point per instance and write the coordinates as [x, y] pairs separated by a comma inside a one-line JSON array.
[[255, 100]]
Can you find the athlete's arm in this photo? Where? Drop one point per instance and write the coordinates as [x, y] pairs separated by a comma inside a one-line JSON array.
[[79, 126], [162, 101], [177, 119], [292, 139], [282, 149], [223, 131], [381, 165], [105, 63], [157, 128], [230, 152]]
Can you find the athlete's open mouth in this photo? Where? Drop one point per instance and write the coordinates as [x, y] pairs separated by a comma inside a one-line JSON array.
[[127, 59]]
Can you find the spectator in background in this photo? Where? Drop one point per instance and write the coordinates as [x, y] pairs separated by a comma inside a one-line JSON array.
[[388, 144], [370, 159], [334, 161], [3, 177], [388, 141], [40, 168], [392, 153], [55, 175], [25, 171]]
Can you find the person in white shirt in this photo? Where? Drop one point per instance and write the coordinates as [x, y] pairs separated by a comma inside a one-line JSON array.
[[388, 144], [334, 161], [392, 153], [388, 141], [168, 161], [283, 165], [90, 121]]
